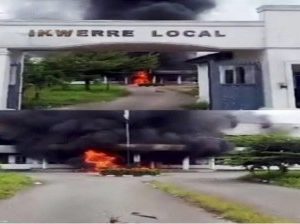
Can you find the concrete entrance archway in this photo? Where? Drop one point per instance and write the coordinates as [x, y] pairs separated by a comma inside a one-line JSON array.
[[272, 41]]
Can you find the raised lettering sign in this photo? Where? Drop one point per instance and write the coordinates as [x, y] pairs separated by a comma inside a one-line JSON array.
[[125, 33]]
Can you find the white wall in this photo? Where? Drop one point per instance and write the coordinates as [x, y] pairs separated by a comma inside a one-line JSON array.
[[277, 70], [203, 83], [7, 149], [4, 77], [282, 41]]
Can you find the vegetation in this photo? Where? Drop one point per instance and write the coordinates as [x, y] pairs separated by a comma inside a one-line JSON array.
[[229, 210], [133, 171], [11, 183], [290, 179], [55, 96], [197, 106], [264, 151], [60, 69]]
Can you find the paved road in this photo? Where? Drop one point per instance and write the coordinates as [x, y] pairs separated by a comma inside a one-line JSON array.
[[73, 198], [274, 200], [143, 98]]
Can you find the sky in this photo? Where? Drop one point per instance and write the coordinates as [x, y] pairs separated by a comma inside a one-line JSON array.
[[225, 10], [242, 9]]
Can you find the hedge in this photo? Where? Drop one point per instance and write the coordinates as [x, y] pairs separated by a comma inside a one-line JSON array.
[[133, 171]]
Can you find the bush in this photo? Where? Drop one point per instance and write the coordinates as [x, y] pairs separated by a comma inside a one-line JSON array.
[[291, 179], [265, 151], [133, 171], [197, 106]]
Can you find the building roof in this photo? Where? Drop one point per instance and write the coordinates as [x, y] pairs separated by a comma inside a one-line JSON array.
[[214, 56]]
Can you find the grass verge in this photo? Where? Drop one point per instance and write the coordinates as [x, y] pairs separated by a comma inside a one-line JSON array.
[[75, 94], [11, 183], [196, 106], [290, 179], [227, 209]]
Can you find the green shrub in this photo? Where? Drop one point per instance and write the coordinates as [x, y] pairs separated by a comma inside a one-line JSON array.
[[133, 171], [197, 106], [264, 151], [291, 179]]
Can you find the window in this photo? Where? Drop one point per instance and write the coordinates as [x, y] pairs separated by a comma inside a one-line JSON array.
[[20, 159], [240, 75], [229, 77]]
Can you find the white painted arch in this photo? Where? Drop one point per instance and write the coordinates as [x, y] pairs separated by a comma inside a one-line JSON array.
[[274, 41], [232, 35]]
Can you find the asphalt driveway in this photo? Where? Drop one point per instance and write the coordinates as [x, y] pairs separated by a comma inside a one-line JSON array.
[[77, 197], [142, 98]]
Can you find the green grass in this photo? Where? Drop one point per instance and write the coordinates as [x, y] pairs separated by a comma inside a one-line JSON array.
[[193, 92], [75, 94], [290, 179], [11, 183], [197, 106], [229, 210]]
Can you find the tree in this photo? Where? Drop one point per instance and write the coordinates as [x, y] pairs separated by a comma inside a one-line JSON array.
[[40, 74], [265, 151], [65, 67], [115, 62]]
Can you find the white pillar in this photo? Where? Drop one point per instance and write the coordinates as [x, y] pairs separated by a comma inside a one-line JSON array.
[[203, 83], [152, 165], [154, 79], [4, 77], [186, 163], [179, 79], [126, 80], [45, 164], [212, 164], [12, 159], [161, 80], [105, 80], [137, 158], [16, 79]]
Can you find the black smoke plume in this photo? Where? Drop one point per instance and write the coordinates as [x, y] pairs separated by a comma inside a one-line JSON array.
[[62, 135], [148, 9]]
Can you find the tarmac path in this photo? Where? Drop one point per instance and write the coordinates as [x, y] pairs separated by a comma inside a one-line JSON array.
[[85, 198], [269, 199], [142, 98]]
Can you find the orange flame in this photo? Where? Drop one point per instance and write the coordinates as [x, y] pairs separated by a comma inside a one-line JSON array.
[[100, 160], [142, 77]]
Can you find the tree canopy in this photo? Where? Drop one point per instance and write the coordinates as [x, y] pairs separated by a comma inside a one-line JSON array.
[[265, 151], [86, 66]]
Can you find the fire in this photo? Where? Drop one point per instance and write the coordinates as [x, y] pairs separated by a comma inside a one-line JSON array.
[[142, 77], [100, 160]]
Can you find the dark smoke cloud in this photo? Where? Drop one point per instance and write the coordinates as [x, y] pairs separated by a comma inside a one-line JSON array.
[[68, 134], [148, 9], [104, 9]]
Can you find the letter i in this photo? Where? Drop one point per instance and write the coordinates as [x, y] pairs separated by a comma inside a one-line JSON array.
[[32, 33]]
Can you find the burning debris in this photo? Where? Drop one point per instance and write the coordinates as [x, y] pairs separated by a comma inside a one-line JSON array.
[[100, 160], [68, 136], [142, 78]]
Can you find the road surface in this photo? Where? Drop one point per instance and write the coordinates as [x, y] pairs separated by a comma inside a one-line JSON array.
[[269, 199], [73, 198], [142, 98]]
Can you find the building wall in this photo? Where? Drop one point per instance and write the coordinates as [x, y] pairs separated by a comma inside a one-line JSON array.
[[203, 83], [282, 42]]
